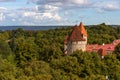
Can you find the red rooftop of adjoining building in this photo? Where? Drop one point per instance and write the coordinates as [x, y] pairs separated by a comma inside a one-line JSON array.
[[106, 48], [116, 42]]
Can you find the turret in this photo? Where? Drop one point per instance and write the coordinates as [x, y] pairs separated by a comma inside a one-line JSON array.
[[77, 40]]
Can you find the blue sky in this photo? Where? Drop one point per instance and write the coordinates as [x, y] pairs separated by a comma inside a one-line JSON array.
[[59, 12]]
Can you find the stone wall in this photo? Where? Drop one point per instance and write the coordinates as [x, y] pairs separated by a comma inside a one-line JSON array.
[[73, 46]]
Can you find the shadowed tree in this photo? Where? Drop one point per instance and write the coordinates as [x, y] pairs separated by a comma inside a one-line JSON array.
[[117, 51]]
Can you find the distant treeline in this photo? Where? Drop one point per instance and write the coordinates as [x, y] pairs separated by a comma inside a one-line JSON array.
[[38, 55], [4, 28]]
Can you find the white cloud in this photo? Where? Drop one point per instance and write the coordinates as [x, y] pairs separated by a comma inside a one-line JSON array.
[[107, 5], [50, 10], [46, 8], [55, 10], [13, 20], [32, 16], [111, 6], [66, 13], [80, 2], [56, 17], [2, 9], [48, 15], [62, 3], [27, 14], [59, 1], [10, 14], [1, 17]]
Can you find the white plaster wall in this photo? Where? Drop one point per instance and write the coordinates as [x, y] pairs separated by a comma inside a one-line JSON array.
[[78, 45]]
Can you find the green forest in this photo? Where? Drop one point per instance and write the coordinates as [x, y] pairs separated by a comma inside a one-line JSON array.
[[38, 55]]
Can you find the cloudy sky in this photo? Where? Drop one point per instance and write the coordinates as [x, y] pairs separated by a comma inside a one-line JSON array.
[[59, 12]]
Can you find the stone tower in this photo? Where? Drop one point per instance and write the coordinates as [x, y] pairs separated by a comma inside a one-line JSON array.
[[77, 40]]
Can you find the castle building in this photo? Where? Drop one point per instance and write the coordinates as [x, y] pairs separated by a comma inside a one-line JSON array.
[[77, 40]]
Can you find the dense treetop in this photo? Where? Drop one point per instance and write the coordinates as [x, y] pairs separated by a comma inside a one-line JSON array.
[[38, 55]]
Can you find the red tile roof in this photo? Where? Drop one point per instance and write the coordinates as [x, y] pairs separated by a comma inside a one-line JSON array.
[[108, 47], [76, 34], [90, 48], [116, 42], [101, 49]]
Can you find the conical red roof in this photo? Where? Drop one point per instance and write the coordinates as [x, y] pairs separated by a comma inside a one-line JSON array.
[[76, 34], [82, 29]]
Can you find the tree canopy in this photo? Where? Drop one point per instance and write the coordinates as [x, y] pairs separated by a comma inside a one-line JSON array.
[[38, 55]]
